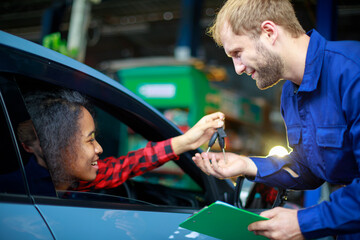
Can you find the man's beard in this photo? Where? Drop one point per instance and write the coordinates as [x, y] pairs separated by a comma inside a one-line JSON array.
[[270, 67]]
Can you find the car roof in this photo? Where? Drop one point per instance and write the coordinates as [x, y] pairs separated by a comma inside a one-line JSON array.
[[20, 56], [28, 47]]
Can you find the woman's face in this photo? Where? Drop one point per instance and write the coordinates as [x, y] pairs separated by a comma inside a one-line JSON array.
[[84, 166]]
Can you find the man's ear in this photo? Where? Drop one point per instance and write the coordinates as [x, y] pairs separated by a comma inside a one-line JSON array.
[[27, 148], [270, 31]]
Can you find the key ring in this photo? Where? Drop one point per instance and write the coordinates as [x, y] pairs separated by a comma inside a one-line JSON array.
[[220, 136]]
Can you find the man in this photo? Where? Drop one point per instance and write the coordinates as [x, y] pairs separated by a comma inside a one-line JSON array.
[[65, 144], [320, 107]]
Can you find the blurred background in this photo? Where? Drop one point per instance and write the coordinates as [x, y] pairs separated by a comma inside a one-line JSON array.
[[160, 50], [136, 41]]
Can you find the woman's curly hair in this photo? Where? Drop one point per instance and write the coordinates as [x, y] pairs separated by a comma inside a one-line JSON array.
[[56, 120]]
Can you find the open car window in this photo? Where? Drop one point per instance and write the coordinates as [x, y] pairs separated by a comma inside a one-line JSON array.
[[118, 140], [169, 184]]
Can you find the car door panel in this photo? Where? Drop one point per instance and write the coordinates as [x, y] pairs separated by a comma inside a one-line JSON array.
[[97, 223], [22, 221]]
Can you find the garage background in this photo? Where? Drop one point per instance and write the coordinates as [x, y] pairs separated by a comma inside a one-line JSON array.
[[114, 35]]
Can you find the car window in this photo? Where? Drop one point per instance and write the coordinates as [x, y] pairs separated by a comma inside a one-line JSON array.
[[119, 139], [168, 185], [155, 186], [11, 179]]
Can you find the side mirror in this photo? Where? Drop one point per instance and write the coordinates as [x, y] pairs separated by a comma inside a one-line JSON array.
[[258, 196]]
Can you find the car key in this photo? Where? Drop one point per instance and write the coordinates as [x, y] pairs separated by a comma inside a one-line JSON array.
[[220, 135]]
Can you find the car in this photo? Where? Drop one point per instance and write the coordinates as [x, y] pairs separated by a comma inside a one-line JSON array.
[[149, 207]]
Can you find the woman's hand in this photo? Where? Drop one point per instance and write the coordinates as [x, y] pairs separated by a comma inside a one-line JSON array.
[[200, 133]]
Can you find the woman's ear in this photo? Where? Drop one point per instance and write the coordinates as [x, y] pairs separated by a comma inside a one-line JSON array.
[[270, 31]]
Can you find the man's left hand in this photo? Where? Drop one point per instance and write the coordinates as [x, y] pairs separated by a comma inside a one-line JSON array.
[[282, 225]]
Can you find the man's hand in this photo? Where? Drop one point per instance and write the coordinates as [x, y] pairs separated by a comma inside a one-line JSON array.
[[235, 165], [283, 225]]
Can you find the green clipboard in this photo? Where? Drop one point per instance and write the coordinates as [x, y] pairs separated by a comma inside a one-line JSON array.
[[224, 221]]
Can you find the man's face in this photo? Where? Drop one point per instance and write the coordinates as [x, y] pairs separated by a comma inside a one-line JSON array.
[[253, 58], [269, 67], [84, 166]]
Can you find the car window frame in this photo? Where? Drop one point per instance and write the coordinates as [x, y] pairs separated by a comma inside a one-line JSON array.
[[54, 200], [29, 60], [36, 82], [36, 199]]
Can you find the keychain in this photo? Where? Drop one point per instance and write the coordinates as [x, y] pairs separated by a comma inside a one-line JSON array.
[[220, 136]]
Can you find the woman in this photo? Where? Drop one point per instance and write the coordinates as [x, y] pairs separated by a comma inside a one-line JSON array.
[[65, 129]]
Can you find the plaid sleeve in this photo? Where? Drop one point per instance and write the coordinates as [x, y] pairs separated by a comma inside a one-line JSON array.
[[114, 171]]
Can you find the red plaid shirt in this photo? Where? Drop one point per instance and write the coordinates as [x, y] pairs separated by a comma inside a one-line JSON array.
[[114, 171]]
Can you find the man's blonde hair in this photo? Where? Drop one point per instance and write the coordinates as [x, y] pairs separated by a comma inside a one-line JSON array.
[[246, 17]]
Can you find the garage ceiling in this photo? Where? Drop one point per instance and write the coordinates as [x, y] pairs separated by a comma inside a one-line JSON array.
[[140, 24], [127, 29]]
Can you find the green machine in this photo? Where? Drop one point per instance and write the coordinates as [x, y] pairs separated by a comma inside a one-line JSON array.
[[179, 92], [169, 87]]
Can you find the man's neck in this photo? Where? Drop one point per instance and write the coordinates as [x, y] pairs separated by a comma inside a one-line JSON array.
[[295, 58]]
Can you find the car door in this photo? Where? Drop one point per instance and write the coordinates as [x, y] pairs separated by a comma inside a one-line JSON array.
[[135, 216]]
